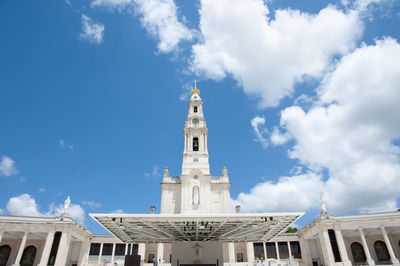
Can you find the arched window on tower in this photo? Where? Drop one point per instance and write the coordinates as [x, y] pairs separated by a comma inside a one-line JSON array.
[[195, 109], [195, 144]]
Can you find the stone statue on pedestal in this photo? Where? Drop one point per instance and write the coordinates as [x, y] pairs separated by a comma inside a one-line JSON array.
[[225, 171], [324, 211], [196, 196], [66, 205], [166, 172]]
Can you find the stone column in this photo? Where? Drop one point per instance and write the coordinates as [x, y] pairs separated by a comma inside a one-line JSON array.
[[305, 251], [126, 249], [326, 247], [366, 249], [289, 249], [160, 252], [250, 251], [265, 250], [63, 249], [1, 236], [278, 257], [21, 249], [231, 253], [389, 247], [84, 253], [113, 254], [342, 248], [142, 251], [46, 249], [100, 254]]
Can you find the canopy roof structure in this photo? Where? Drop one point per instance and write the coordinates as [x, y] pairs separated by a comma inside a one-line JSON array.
[[168, 228]]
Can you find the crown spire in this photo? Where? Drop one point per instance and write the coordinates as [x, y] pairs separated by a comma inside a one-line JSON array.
[[195, 89]]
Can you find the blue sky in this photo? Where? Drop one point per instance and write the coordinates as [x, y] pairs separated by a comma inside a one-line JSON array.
[[301, 100]]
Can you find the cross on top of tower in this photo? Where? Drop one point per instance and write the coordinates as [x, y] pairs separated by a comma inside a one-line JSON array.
[[195, 89]]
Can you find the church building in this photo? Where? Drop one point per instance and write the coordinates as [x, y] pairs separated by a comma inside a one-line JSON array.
[[195, 225]]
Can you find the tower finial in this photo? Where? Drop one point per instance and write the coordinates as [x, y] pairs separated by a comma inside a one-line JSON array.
[[195, 89]]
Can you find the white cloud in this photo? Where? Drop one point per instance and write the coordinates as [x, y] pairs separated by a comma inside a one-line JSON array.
[[158, 17], [111, 4], [267, 57], [278, 138], [75, 211], [118, 211], [7, 166], [348, 134], [154, 173], [1, 211], [258, 125], [92, 204], [293, 193], [25, 205], [66, 146], [362, 5], [22, 179], [186, 91], [91, 31], [42, 189]]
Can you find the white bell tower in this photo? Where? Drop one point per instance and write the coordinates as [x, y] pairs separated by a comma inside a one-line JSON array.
[[195, 134], [195, 190]]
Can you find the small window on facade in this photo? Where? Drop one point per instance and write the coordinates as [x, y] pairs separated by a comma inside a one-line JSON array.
[[28, 257], [120, 250], [283, 250], [94, 249], [239, 257], [195, 144], [358, 253], [271, 250], [381, 251], [295, 248], [54, 248], [258, 250], [107, 249], [334, 245], [5, 252], [195, 109], [135, 249]]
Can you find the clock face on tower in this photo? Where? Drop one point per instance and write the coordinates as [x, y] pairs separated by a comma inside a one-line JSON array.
[[195, 121]]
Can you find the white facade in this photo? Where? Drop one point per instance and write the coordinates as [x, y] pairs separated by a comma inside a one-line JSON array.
[[38, 234], [365, 239]]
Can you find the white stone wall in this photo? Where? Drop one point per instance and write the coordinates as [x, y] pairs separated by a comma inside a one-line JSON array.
[[177, 194], [170, 198], [208, 253]]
